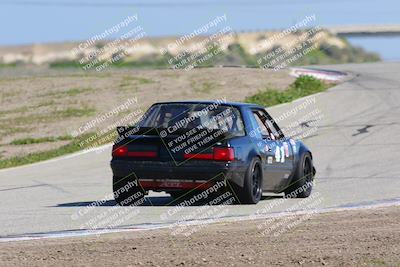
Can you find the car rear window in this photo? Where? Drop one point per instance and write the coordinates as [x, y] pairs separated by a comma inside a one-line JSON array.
[[188, 116]]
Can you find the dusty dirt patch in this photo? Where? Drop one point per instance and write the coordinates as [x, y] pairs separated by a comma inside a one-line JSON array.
[[353, 238]]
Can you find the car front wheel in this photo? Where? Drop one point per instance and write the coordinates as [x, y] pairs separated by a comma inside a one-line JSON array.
[[302, 182]]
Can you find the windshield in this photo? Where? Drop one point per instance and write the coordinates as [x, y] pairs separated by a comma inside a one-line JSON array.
[[187, 116]]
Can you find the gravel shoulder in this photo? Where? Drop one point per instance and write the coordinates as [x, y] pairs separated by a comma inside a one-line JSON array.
[[352, 238]]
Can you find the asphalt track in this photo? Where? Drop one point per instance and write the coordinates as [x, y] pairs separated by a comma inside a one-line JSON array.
[[354, 137]]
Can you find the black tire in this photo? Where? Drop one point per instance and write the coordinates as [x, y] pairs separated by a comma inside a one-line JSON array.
[[127, 191], [251, 191], [302, 182]]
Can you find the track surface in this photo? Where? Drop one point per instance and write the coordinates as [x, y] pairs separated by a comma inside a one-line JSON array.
[[356, 150]]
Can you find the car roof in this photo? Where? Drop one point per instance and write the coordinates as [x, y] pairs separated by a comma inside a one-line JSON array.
[[221, 102]]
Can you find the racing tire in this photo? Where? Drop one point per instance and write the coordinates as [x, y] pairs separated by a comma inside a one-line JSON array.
[[302, 182], [251, 191], [127, 191]]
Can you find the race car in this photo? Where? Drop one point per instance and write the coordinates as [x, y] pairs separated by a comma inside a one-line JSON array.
[[179, 147]]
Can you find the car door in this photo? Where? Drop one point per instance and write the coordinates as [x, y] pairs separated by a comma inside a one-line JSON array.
[[288, 162], [268, 147]]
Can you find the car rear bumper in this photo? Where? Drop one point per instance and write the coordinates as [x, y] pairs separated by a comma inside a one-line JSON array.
[[159, 175]]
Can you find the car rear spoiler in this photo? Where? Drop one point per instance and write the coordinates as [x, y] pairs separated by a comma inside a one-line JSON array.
[[125, 131]]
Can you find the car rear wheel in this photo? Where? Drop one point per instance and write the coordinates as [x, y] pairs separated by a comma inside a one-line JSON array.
[[127, 191], [302, 182], [251, 191]]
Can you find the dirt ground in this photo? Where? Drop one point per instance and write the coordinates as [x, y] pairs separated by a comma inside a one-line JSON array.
[[38, 102], [352, 238]]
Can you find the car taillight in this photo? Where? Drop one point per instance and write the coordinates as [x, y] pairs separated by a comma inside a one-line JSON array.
[[123, 151], [223, 153], [219, 153]]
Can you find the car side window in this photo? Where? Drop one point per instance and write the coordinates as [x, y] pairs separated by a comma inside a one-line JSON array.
[[271, 124], [262, 127], [274, 132], [268, 123]]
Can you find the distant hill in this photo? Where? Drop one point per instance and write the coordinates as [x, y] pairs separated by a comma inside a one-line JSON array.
[[228, 48]]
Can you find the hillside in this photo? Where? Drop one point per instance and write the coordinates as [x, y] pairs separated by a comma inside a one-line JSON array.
[[226, 48]]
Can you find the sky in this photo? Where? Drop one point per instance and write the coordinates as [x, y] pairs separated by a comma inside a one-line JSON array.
[[42, 21]]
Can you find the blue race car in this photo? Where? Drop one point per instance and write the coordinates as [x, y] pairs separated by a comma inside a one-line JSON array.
[[178, 147]]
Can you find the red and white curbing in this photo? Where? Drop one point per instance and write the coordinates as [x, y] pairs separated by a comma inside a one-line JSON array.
[[327, 75]]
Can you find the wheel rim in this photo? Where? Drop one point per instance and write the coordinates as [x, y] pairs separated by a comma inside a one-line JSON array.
[[256, 177]]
